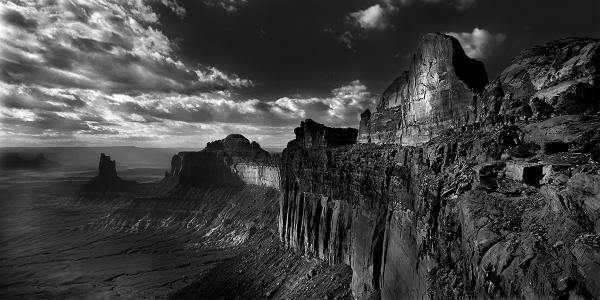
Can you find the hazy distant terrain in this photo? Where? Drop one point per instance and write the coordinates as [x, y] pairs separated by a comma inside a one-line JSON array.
[[126, 157]]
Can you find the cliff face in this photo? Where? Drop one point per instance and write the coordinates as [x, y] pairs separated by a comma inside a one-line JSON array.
[[435, 94], [232, 161], [504, 208]]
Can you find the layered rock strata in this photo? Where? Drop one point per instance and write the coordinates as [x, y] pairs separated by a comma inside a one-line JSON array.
[[436, 93], [231, 161], [449, 219], [504, 206]]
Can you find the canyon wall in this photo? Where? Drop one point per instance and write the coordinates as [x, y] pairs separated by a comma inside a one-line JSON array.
[[505, 206], [436, 93]]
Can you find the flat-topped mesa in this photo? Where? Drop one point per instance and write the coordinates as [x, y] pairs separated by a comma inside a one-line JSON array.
[[232, 161], [311, 134], [436, 93]]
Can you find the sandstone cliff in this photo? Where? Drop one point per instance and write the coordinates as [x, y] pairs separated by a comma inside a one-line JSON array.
[[503, 206], [436, 93], [232, 161]]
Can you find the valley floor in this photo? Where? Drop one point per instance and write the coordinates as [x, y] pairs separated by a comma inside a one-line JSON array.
[[220, 244]]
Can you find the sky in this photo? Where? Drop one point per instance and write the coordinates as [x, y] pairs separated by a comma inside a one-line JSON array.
[[174, 73]]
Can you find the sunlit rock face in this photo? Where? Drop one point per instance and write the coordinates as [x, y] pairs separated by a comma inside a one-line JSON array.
[[437, 92], [258, 174], [232, 161]]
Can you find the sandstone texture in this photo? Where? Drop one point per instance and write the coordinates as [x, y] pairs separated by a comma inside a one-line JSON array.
[[436, 93], [232, 161], [504, 204]]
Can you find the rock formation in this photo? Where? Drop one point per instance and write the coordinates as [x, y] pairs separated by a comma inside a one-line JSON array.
[[505, 205], [557, 78], [107, 168], [232, 161], [436, 93], [107, 184]]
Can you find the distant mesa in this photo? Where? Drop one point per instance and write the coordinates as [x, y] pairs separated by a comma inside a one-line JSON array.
[[232, 161], [12, 160]]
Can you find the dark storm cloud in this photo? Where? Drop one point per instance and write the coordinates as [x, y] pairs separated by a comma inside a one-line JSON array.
[[15, 18]]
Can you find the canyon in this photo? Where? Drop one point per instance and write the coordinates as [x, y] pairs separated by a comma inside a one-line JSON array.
[[454, 187]]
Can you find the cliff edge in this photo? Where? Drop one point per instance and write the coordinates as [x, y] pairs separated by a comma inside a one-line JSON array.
[[504, 204]]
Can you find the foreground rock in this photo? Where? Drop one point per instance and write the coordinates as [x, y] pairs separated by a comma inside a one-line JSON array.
[[504, 206]]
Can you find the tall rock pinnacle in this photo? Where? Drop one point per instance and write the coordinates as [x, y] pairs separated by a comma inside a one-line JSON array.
[[435, 93], [107, 167]]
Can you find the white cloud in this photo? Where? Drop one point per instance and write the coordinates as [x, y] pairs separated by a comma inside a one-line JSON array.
[[110, 45], [480, 43], [30, 115], [371, 18]]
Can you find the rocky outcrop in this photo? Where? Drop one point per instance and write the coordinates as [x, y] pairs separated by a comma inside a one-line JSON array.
[[311, 134], [233, 161], [107, 184], [436, 93], [506, 205], [107, 168], [557, 78], [454, 218]]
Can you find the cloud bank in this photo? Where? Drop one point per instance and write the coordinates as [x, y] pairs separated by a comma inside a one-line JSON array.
[[103, 73]]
